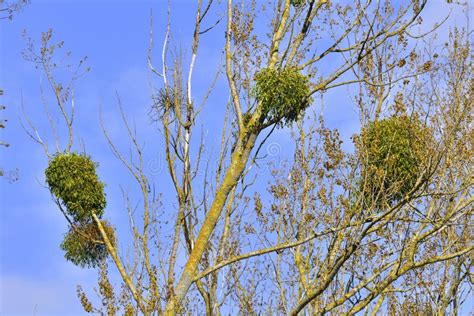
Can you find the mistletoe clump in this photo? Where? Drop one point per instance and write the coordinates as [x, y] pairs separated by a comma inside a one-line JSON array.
[[73, 180], [284, 94], [393, 150], [84, 245], [298, 3]]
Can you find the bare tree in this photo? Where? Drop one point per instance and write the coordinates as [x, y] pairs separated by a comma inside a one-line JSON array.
[[8, 8], [7, 11], [384, 226]]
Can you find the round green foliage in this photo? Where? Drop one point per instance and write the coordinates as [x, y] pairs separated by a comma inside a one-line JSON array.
[[393, 150], [84, 245], [298, 3], [282, 93], [73, 180]]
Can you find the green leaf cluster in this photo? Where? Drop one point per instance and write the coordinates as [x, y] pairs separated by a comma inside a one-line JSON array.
[[283, 94], [72, 178], [84, 245], [298, 3], [393, 150]]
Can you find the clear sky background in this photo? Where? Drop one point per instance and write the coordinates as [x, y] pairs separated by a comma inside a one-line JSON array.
[[35, 279]]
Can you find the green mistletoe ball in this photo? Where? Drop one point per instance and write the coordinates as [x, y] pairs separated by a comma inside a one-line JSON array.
[[393, 151], [73, 180], [284, 94], [298, 3], [84, 245]]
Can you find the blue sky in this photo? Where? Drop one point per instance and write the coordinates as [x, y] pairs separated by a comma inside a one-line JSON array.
[[35, 278]]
